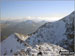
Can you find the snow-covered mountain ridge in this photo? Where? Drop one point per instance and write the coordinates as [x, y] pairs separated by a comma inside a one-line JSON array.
[[59, 33], [13, 43], [48, 40]]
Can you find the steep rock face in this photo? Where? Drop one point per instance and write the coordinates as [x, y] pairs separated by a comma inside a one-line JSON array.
[[70, 32], [59, 33]]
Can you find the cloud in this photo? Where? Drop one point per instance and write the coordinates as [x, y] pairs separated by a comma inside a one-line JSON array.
[[37, 18], [40, 18]]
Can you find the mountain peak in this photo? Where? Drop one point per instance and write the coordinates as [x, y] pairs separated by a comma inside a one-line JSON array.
[[21, 36]]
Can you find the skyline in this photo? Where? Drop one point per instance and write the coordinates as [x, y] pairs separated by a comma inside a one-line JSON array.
[[34, 9]]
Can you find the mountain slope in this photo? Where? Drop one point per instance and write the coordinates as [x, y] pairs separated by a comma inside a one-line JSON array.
[[13, 43], [57, 33]]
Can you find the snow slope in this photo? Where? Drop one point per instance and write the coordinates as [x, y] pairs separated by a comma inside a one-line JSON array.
[[12, 44], [59, 33]]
